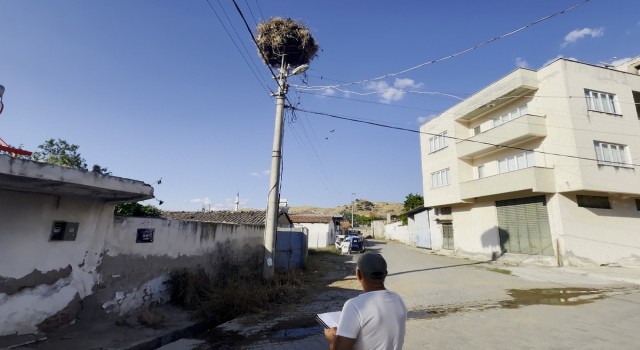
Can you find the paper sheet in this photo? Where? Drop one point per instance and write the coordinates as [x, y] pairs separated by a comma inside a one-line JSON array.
[[329, 319]]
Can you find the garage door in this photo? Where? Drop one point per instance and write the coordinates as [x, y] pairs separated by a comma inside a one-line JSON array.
[[523, 225]]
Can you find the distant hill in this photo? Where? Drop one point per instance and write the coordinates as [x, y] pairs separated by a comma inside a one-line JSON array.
[[361, 207]]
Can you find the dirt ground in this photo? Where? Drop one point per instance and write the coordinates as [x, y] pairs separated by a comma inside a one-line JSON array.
[[327, 286]]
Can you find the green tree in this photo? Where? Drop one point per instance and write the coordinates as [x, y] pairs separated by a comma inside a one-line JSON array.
[[137, 209], [411, 201], [60, 152]]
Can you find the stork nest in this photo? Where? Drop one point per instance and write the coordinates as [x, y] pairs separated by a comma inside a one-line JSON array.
[[284, 36]]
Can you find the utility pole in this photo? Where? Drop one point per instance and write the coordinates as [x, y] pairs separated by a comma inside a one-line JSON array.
[[273, 206], [352, 201]]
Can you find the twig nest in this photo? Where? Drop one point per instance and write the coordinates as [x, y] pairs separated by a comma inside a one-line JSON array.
[[284, 36]]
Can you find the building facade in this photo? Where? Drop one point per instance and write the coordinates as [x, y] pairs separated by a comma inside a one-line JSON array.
[[540, 165]]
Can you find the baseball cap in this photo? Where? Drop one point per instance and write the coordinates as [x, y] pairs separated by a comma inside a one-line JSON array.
[[372, 266]]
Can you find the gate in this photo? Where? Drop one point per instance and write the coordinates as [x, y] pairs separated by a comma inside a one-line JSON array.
[[423, 234], [291, 249], [447, 236]]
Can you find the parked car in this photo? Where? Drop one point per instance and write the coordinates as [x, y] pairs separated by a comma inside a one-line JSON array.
[[350, 242]]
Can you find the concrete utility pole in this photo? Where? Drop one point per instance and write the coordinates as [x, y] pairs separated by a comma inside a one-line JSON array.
[[273, 206], [352, 201], [274, 183]]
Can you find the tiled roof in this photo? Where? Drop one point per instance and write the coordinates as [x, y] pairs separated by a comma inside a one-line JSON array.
[[311, 219], [251, 217]]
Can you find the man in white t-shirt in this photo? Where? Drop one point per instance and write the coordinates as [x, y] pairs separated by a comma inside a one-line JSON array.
[[373, 320]]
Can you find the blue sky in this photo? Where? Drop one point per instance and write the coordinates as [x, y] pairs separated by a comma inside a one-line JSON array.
[[156, 89]]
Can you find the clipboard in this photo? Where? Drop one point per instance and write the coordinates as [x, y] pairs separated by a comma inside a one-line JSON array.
[[329, 319]]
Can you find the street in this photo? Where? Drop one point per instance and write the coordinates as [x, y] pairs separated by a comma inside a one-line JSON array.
[[463, 304]]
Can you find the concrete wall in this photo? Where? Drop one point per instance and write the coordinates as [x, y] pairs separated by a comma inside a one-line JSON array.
[[377, 228], [597, 236], [43, 282], [397, 232]]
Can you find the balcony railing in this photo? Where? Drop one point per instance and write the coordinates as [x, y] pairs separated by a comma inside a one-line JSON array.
[[522, 129], [536, 179]]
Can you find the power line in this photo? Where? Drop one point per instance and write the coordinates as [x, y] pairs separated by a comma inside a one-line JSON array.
[[445, 136], [472, 48], [266, 88], [259, 9], [370, 102], [239, 38]]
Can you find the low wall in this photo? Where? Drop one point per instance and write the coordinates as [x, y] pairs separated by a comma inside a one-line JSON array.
[[45, 284], [397, 232]]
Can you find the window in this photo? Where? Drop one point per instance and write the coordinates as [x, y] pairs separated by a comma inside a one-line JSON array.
[[511, 115], [480, 169], [440, 178], [611, 154], [516, 162], [638, 204], [64, 231], [601, 101], [438, 142], [476, 130], [599, 202], [443, 211], [636, 100]]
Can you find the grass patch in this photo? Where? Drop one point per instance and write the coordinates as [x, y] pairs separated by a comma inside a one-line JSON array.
[[232, 288], [502, 271]]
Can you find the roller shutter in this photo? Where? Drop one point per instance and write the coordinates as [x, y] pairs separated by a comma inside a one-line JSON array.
[[523, 225]]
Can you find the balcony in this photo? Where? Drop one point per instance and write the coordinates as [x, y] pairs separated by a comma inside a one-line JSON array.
[[535, 179], [516, 84], [525, 128]]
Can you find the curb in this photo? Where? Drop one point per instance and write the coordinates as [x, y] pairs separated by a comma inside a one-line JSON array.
[[167, 338]]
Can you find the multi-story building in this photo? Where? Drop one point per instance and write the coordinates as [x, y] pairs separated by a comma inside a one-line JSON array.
[[540, 164]]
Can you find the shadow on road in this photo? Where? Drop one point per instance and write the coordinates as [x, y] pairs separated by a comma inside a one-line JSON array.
[[438, 268]]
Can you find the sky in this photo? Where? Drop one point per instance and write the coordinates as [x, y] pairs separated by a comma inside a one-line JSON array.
[[175, 90]]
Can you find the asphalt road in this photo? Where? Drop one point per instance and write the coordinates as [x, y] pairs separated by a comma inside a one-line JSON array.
[[462, 304]]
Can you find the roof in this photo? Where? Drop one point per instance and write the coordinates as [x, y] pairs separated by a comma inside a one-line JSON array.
[[248, 217], [417, 210], [35, 177], [311, 219]]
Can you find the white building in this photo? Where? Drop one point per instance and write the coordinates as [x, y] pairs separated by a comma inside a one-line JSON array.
[[322, 229], [540, 165]]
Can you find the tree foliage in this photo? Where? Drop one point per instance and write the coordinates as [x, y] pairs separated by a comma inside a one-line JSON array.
[[62, 153], [411, 201], [138, 210]]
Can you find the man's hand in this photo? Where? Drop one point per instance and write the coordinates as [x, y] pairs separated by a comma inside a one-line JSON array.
[[336, 342]]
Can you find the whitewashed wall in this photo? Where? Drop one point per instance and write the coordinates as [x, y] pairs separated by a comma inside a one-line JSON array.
[[41, 278], [596, 236], [397, 232]]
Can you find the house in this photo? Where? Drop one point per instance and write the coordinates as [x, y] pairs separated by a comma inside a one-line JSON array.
[[322, 229], [64, 256], [250, 217], [540, 165]]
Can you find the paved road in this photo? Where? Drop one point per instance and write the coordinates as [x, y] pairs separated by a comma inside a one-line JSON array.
[[461, 304]]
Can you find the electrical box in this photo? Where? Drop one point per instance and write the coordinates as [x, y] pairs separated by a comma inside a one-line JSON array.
[[145, 235], [64, 231]]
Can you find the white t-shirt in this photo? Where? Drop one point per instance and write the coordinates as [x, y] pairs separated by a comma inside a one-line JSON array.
[[375, 319]]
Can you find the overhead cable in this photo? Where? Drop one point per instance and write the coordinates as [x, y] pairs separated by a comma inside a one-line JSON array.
[[445, 136], [474, 47]]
